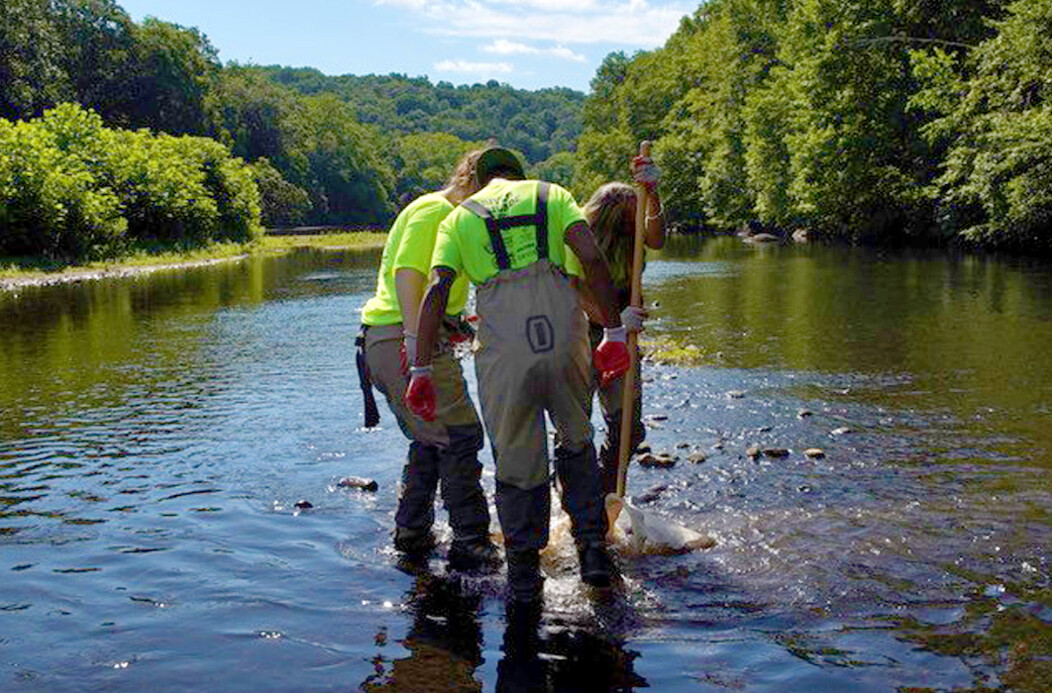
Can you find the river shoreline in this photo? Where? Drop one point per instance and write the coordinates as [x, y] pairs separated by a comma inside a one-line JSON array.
[[116, 270]]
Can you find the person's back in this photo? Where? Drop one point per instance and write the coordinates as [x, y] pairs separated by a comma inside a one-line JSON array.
[[533, 356]]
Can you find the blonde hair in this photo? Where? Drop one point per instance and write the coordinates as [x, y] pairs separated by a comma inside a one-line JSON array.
[[609, 212], [462, 180]]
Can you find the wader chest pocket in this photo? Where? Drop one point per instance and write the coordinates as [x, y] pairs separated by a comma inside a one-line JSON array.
[[539, 334]]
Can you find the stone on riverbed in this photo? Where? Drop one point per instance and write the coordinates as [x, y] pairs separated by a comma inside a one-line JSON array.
[[753, 451], [697, 457], [358, 482], [661, 461], [735, 394], [840, 431], [814, 453], [776, 452], [651, 494]]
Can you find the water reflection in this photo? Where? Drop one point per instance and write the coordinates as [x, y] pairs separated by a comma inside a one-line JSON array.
[[444, 640], [552, 650]]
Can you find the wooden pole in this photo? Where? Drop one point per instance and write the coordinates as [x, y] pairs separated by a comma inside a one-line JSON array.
[[628, 399]]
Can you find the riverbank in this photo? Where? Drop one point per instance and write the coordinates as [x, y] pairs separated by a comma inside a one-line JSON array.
[[17, 275]]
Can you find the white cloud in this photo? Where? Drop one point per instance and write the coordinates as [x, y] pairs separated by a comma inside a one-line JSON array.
[[506, 47], [646, 23], [473, 68]]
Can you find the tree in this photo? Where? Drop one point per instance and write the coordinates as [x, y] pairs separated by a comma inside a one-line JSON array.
[[31, 73], [175, 68]]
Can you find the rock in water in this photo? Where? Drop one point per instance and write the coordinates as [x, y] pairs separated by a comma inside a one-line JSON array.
[[304, 504], [814, 453], [776, 452], [358, 482]]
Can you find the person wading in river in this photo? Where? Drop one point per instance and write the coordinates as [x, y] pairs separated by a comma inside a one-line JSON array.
[[445, 448], [510, 239], [611, 214]]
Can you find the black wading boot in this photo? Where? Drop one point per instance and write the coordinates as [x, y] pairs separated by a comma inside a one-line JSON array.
[[476, 555], [525, 584]]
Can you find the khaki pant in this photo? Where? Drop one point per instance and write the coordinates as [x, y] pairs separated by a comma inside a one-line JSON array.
[[533, 358], [453, 405], [444, 452]]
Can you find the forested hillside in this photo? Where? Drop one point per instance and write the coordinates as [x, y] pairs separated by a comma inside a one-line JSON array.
[[321, 150], [879, 120], [537, 123]]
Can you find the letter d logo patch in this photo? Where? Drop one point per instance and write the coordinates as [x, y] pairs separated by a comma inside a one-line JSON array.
[[539, 334]]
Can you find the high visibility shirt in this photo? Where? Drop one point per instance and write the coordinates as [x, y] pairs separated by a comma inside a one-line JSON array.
[[464, 243], [409, 245]]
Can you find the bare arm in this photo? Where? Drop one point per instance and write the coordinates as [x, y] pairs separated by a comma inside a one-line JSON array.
[[597, 273], [409, 286], [432, 308], [655, 222]]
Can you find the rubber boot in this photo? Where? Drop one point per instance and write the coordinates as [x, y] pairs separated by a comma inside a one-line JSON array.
[[524, 515], [525, 583], [582, 499], [462, 495], [416, 505]]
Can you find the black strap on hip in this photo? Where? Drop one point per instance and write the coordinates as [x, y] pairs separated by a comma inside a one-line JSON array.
[[496, 227], [372, 414]]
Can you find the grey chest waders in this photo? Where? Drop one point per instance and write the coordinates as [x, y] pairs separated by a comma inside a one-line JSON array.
[[534, 358]]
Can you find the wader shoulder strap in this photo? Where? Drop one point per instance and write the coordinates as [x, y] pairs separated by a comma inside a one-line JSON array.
[[495, 227]]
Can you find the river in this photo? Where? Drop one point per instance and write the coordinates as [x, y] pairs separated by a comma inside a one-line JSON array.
[[157, 432]]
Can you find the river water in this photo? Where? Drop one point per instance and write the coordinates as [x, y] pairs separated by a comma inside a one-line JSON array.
[[156, 433]]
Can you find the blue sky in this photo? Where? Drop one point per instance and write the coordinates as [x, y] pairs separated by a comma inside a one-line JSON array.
[[529, 44]]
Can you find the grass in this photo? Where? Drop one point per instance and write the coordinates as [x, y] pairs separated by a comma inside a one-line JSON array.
[[29, 268]]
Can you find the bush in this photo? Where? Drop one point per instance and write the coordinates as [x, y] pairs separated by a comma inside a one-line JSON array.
[[70, 189]]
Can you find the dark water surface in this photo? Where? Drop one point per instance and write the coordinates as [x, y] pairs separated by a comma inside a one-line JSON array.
[[156, 433]]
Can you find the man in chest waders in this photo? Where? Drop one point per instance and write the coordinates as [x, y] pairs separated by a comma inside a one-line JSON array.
[[444, 450], [533, 357]]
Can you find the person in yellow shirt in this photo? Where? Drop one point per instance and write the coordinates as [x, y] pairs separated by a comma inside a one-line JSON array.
[[513, 240], [443, 451]]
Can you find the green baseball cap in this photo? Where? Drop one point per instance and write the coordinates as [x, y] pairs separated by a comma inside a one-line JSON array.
[[497, 158]]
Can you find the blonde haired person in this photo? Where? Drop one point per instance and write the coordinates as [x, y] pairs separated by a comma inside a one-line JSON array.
[[611, 214], [442, 451]]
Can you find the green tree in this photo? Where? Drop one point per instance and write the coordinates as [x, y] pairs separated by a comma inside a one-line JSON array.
[[175, 68], [31, 73], [996, 187]]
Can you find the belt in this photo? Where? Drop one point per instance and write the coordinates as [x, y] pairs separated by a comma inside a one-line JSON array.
[[372, 414]]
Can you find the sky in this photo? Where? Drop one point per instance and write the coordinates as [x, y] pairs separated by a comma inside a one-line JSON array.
[[529, 44]]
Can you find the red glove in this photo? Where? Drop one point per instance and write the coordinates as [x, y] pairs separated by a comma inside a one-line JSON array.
[[420, 395], [611, 356]]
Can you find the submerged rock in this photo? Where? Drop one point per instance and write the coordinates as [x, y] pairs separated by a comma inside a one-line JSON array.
[[662, 461], [651, 494], [358, 482]]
